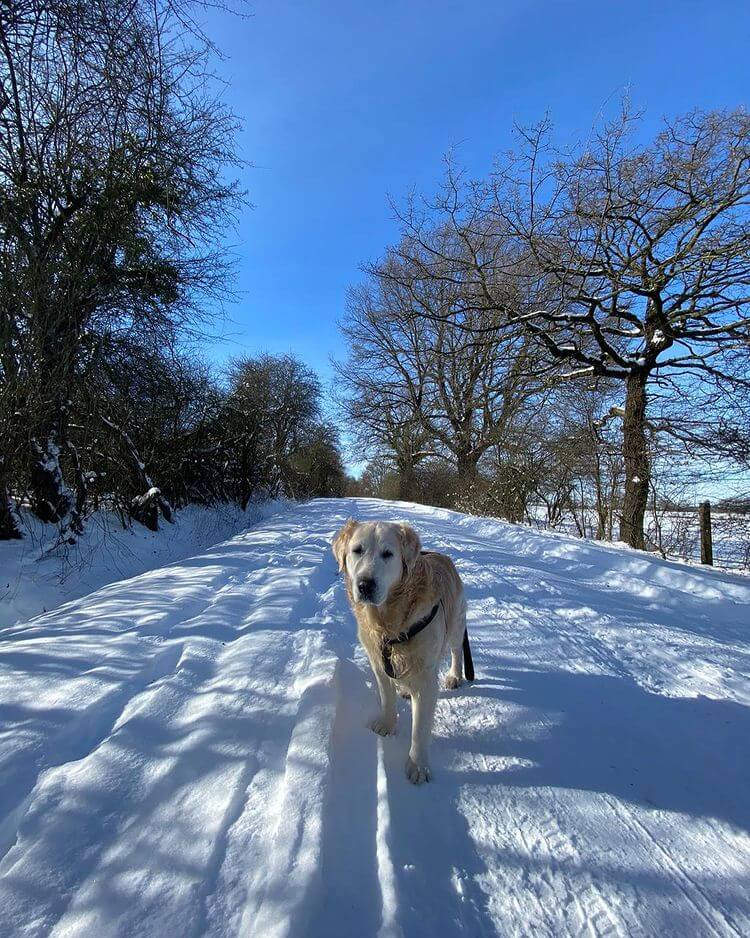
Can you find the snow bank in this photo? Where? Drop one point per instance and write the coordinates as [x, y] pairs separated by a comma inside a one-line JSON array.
[[35, 579]]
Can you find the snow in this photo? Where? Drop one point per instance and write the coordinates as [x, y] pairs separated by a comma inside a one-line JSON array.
[[678, 532], [36, 575], [185, 752]]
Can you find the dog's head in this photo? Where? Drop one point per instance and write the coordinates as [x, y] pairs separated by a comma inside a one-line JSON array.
[[375, 556]]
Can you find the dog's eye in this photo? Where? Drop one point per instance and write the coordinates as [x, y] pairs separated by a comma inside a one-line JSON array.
[[387, 554], [357, 549]]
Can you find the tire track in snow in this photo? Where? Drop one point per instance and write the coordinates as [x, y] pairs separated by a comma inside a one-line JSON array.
[[243, 848], [273, 842], [222, 891], [689, 887], [280, 900], [587, 912], [90, 903], [81, 737], [389, 926]]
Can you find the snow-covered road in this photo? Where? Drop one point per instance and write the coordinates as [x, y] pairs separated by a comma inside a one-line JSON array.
[[185, 753]]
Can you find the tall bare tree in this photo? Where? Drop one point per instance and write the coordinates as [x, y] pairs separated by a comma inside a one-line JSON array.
[[430, 380], [632, 263]]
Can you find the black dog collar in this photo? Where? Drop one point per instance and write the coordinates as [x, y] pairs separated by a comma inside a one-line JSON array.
[[404, 637]]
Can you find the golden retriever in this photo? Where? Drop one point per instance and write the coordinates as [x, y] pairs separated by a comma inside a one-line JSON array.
[[410, 608]]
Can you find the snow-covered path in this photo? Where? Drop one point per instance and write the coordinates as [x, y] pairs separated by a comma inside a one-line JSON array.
[[185, 753]]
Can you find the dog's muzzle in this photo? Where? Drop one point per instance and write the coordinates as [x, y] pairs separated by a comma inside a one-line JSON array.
[[366, 588]]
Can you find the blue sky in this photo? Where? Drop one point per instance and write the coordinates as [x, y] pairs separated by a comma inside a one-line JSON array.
[[345, 103]]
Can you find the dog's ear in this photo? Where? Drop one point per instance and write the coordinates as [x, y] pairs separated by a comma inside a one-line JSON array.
[[341, 542], [410, 545]]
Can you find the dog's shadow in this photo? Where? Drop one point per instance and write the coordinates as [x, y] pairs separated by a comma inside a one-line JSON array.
[[436, 868], [388, 845], [349, 901]]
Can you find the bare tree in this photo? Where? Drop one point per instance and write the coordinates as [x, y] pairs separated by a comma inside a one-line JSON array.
[[632, 263], [426, 382]]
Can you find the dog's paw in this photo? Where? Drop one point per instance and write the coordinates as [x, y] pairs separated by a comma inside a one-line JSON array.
[[382, 727], [417, 773], [452, 682]]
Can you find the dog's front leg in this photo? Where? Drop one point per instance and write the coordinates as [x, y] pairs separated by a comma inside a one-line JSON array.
[[423, 700], [385, 723]]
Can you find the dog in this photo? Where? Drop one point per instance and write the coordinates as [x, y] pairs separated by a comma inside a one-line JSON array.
[[410, 608]]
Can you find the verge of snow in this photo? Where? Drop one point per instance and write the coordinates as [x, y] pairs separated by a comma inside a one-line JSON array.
[[35, 579]]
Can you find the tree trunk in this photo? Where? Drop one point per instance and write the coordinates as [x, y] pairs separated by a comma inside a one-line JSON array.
[[145, 509], [601, 508], [637, 462], [406, 481], [50, 499], [466, 466], [601, 522], [8, 522], [146, 506]]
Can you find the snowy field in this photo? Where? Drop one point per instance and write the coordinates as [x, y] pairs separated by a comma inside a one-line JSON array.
[[184, 753], [676, 532]]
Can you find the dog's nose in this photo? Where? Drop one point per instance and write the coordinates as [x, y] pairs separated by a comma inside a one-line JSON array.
[[366, 587]]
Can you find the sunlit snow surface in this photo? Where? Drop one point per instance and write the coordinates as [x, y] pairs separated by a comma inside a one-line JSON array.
[[184, 753]]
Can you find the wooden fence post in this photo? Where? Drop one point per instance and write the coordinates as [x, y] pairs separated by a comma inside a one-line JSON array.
[[707, 547]]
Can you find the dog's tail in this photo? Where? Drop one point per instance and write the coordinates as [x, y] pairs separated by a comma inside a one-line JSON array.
[[468, 661]]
